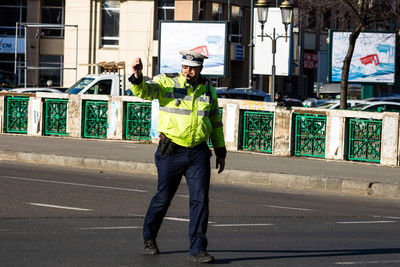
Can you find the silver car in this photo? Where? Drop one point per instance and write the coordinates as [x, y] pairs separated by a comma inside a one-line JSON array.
[[378, 106], [335, 104], [35, 90]]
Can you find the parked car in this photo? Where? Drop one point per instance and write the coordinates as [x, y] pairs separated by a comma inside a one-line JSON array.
[[384, 98], [313, 102], [35, 90], [380, 106], [243, 93], [335, 104]]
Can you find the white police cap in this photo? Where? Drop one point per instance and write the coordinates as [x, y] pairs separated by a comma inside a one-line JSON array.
[[191, 58]]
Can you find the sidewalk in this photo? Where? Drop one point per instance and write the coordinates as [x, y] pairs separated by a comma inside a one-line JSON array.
[[242, 168]]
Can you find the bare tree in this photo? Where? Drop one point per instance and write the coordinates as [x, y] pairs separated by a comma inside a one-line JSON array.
[[355, 16]]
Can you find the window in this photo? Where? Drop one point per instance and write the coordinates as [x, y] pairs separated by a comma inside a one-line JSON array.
[[11, 11], [110, 23], [7, 77], [202, 10], [52, 13], [392, 108], [326, 20], [311, 21], [216, 12], [53, 75], [102, 87], [165, 11], [236, 25]]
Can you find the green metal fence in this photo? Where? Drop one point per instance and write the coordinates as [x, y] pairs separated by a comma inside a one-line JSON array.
[[17, 114], [310, 134], [138, 121], [365, 140], [258, 129], [95, 125], [55, 121]]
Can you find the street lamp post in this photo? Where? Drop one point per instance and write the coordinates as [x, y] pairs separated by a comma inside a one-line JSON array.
[[286, 11]]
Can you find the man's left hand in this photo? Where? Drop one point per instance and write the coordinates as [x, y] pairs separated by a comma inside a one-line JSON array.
[[220, 162]]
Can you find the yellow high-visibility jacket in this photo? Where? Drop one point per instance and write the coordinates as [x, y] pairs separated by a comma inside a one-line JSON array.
[[188, 116]]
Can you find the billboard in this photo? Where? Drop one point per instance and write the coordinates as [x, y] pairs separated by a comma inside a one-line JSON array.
[[373, 59], [208, 37], [263, 49]]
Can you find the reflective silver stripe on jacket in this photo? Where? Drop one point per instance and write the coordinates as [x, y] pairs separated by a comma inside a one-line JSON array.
[[176, 82], [204, 99], [175, 110], [149, 85], [203, 113], [183, 111]]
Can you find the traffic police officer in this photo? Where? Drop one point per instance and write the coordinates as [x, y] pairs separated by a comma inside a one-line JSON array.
[[189, 116]]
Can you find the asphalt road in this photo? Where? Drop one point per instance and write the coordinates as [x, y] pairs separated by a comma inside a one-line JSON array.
[[55, 216]]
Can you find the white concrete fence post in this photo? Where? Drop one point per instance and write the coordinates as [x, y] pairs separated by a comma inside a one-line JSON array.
[[390, 139], [335, 136]]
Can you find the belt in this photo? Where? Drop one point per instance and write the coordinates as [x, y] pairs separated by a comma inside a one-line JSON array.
[[163, 137]]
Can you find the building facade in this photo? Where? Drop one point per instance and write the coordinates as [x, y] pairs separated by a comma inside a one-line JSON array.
[[65, 39]]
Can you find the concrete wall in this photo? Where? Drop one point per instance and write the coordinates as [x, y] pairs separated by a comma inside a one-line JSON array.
[[336, 123], [135, 37]]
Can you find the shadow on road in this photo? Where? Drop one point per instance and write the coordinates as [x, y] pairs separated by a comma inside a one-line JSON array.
[[302, 254]]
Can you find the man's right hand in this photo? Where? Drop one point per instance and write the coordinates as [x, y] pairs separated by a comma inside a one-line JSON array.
[[137, 67]]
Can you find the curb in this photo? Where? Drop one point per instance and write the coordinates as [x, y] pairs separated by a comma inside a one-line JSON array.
[[231, 177]]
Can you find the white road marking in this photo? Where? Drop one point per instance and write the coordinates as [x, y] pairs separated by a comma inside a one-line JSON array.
[[388, 217], [365, 262], [75, 184], [110, 228], [185, 196], [287, 208], [181, 219], [176, 219], [365, 222], [58, 207], [242, 224]]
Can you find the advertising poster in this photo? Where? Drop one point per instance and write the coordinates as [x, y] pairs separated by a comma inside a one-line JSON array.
[[373, 59], [263, 48], [207, 38], [8, 45]]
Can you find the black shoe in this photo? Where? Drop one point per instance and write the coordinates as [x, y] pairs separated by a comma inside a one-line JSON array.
[[150, 247], [202, 257]]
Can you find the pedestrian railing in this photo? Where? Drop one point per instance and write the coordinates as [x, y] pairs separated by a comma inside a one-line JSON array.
[[17, 114], [258, 129], [310, 134], [138, 121], [95, 125], [336, 134], [365, 140], [55, 119]]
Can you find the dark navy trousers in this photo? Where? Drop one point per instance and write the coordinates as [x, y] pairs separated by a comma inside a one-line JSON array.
[[194, 164]]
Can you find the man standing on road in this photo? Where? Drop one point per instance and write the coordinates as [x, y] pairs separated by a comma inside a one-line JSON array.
[[189, 116]]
